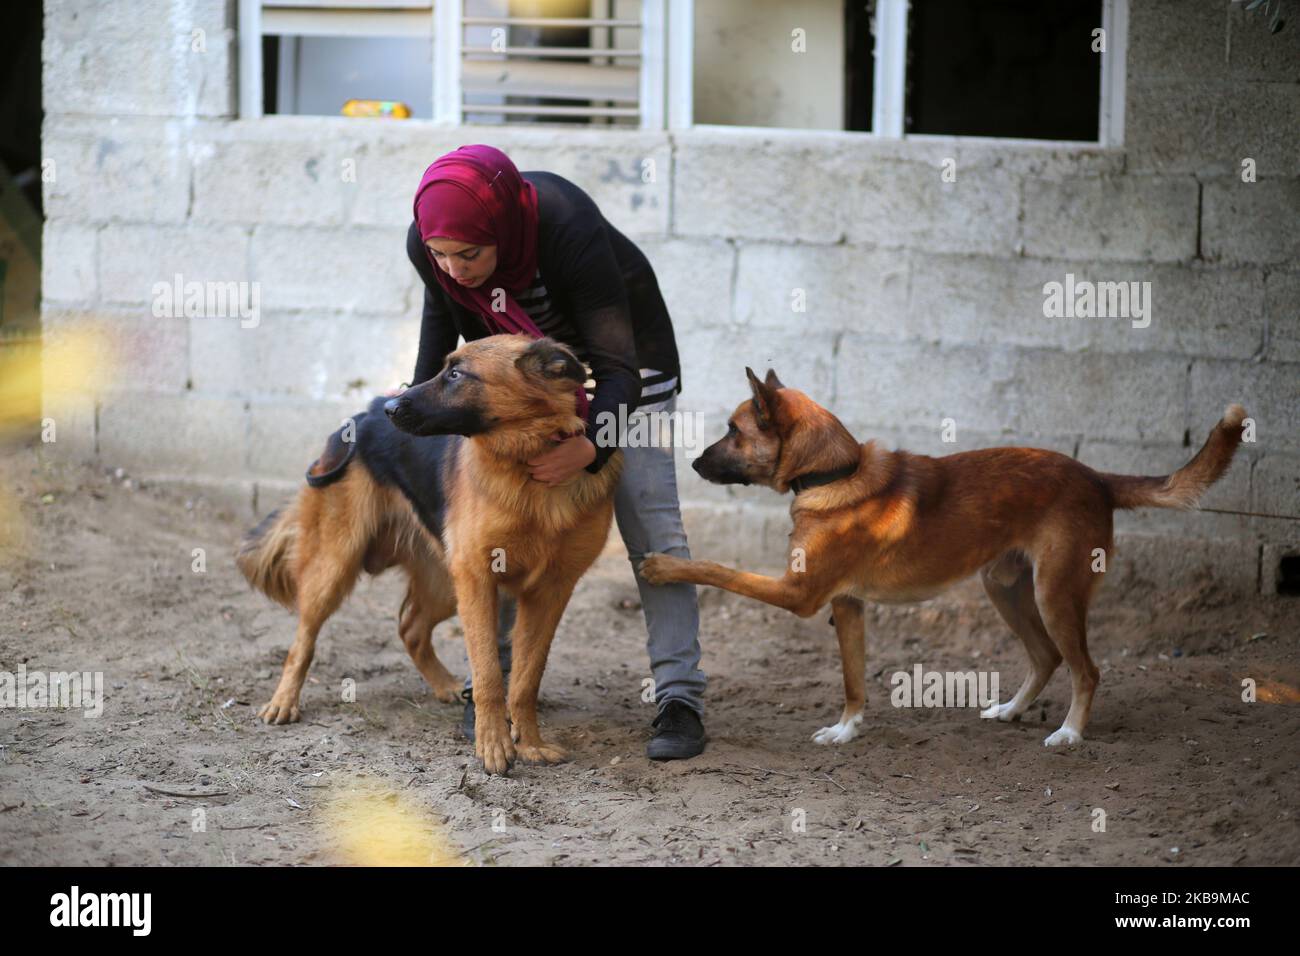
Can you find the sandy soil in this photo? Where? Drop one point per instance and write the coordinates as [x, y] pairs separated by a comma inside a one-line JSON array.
[[1186, 773]]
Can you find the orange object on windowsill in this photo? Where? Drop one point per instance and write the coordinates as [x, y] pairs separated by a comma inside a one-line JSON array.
[[385, 109]]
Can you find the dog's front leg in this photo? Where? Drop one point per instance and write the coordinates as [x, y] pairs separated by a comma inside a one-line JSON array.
[[476, 600], [797, 592], [850, 628]]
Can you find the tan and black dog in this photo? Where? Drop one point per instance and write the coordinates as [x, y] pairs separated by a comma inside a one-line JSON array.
[[437, 481], [894, 527]]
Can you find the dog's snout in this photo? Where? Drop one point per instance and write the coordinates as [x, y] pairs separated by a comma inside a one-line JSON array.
[[392, 406]]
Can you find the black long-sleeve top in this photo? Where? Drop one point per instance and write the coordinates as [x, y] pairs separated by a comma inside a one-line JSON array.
[[604, 293]]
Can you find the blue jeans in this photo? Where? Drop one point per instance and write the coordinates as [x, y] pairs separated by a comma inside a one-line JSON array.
[[650, 520]]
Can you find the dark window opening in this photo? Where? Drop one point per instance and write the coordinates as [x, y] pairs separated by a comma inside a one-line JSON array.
[[1021, 69], [859, 65], [1288, 575]]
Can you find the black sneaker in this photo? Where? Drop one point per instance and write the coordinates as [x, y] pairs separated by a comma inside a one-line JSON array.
[[679, 733], [467, 721]]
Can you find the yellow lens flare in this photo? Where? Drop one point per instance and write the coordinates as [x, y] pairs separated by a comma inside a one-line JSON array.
[[74, 358], [374, 825], [1276, 692]]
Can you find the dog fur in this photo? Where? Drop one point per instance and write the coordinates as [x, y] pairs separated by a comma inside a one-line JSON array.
[[890, 526], [437, 482]]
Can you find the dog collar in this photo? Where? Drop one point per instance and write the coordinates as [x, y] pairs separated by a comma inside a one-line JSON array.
[[815, 478]]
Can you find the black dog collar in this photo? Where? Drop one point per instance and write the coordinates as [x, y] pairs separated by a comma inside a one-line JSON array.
[[815, 478]]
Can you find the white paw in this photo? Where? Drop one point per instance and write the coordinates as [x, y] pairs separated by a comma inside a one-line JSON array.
[[840, 733], [1065, 736], [1005, 711]]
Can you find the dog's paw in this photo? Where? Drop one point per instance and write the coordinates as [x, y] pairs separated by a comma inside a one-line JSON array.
[[448, 692], [1001, 712], [493, 745], [840, 733], [1065, 737], [660, 568], [541, 752], [279, 712]]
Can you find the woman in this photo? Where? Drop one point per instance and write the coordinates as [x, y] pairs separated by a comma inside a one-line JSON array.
[[505, 252]]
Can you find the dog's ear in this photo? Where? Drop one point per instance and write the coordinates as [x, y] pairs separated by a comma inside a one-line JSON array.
[[547, 359], [771, 381], [765, 399]]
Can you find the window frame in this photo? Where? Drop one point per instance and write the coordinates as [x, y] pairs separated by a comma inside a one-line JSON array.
[[667, 49]]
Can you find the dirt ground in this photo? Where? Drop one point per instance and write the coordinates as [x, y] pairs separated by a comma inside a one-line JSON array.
[[1185, 772]]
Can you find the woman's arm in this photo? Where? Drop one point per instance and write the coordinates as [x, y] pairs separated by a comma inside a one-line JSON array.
[[603, 320], [438, 333]]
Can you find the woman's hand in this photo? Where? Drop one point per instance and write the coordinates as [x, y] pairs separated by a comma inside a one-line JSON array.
[[566, 459]]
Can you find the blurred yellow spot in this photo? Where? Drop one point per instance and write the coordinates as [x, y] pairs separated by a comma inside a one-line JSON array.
[[72, 358], [1275, 692], [373, 825]]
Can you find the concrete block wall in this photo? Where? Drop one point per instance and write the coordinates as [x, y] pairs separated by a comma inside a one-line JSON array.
[[924, 298]]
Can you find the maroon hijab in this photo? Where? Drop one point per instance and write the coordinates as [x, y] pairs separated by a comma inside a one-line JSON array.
[[475, 194]]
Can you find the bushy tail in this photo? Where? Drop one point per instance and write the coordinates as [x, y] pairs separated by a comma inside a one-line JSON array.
[[1183, 489], [266, 555]]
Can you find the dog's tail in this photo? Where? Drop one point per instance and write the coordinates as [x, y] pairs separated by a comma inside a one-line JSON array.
[[266, 555], [1183, 489]]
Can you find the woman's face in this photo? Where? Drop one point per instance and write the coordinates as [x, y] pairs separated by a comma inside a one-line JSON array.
[[468, 264]]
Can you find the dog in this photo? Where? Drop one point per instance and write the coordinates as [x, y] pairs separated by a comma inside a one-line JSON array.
[[436, 481], [893, 527]]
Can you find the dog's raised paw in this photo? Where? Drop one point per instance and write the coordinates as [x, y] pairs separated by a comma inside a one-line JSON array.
[[656, 567], [840, 733], [1065, 737], [448, 693]]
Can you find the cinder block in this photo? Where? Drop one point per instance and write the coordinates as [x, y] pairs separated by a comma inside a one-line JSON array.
[[912, 386], [1210, 128], [285, 170], [1282, 305], [695, 277], [68, 263], [1176, 40], [1139, 218], [839, 288], [361, 270], [1269, 390], [133, 170], [909, 204], [180, 436], [999, 302], [1251, 222], [311, 356], [133, 259], [135, 57], [1135, 397], [771, 189], [1147, 562], [117, 350], [285, 437], [1275, 486]]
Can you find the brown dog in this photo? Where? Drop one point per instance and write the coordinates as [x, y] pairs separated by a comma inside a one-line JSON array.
[[437, 481], [871, 524]]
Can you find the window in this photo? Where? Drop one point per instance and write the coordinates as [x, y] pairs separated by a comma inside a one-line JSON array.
[[1024, 69], [587, 61]]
